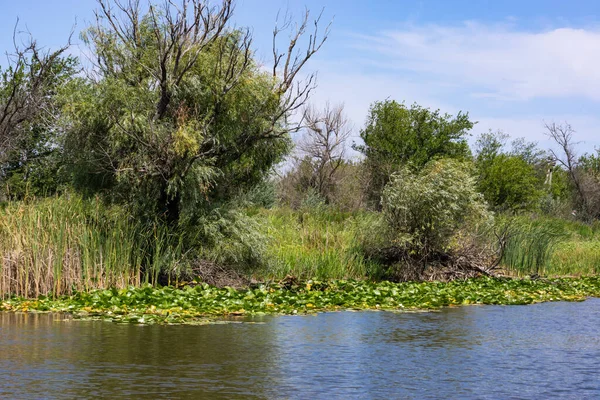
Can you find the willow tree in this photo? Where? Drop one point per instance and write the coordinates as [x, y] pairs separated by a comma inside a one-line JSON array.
[[177, 114]]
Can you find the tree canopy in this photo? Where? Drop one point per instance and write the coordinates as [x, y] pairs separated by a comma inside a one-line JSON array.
[[30, 88], [178, 114], [509, 180], [397, 135]]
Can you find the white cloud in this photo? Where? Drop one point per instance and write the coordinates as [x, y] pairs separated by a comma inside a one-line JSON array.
[[496, 61], [500, 75]]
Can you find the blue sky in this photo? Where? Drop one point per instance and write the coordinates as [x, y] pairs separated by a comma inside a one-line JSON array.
[[510, 64]]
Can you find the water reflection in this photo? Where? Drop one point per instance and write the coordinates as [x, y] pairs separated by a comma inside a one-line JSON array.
[[539, 351]]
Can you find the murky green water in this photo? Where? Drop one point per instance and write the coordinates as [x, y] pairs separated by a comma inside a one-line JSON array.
[[539, 351]]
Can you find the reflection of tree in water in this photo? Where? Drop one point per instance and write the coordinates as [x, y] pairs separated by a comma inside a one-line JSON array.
[[448, 328], [39, 353]]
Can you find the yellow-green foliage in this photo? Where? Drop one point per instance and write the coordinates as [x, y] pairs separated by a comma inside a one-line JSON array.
[[55, 245], [200, 304], [580, 253], [424, 210], [320, 243], [575, 257]]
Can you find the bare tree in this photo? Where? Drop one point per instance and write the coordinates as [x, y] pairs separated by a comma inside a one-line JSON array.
[[325, 135], [26, 89], [562, 135], [182, 31]]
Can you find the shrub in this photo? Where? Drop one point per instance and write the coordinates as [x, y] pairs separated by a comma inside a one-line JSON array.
[[424, 210]]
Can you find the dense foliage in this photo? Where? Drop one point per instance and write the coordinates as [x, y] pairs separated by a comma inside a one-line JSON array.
[[509, 181], [197, 304], [423, 210], [173, 137], [31, 90], [158, 162], [396, 135]]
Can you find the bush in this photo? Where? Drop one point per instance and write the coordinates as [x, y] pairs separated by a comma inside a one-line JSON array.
[[423, 212]]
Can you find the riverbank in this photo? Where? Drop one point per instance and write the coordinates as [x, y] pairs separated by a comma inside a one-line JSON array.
[[204, 304]]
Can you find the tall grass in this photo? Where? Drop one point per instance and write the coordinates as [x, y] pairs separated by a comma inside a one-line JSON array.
[[552, 247], [57, 245], [575, 257], [319, 242], [529, 246]]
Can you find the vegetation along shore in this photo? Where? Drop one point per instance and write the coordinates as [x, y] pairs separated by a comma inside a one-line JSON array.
[[204, 304], [157, 182]]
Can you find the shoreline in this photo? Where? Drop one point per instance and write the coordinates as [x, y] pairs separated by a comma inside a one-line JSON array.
[[204, 304]]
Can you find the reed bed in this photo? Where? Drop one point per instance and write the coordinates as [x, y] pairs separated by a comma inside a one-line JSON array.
[[56, 246], [552, 247]]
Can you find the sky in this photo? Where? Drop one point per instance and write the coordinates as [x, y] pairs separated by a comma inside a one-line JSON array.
[[513, 65]]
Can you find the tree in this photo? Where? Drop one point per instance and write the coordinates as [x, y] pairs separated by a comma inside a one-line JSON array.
[[324, 144], [177, 116], [510, 183], [29, 110], [33, 167], [509, 180], [586, 187], [588, 172], [395, 136]]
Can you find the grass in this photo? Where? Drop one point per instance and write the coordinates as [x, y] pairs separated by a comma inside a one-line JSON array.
[[575, 257], [56, 246], [552, 247], [202, 303], [322, 244], [59, 246], [530, 244]]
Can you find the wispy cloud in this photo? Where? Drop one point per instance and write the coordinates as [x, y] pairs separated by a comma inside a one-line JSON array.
[[495, 61]]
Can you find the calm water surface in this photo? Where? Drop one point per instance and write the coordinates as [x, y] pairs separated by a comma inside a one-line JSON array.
[[542, 351]]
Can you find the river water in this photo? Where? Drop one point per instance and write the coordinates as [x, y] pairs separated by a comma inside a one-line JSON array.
[[542, 351]]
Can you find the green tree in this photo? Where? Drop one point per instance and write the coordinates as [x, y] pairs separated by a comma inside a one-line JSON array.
[[33, 167], [396, 135], [509, 180], [179, 117], [509, 183], [30, 87]]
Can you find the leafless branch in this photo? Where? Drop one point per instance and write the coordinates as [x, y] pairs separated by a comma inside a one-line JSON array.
[[26, 88], [562, 135], [182, 32], [288, 64], [325, 135]]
